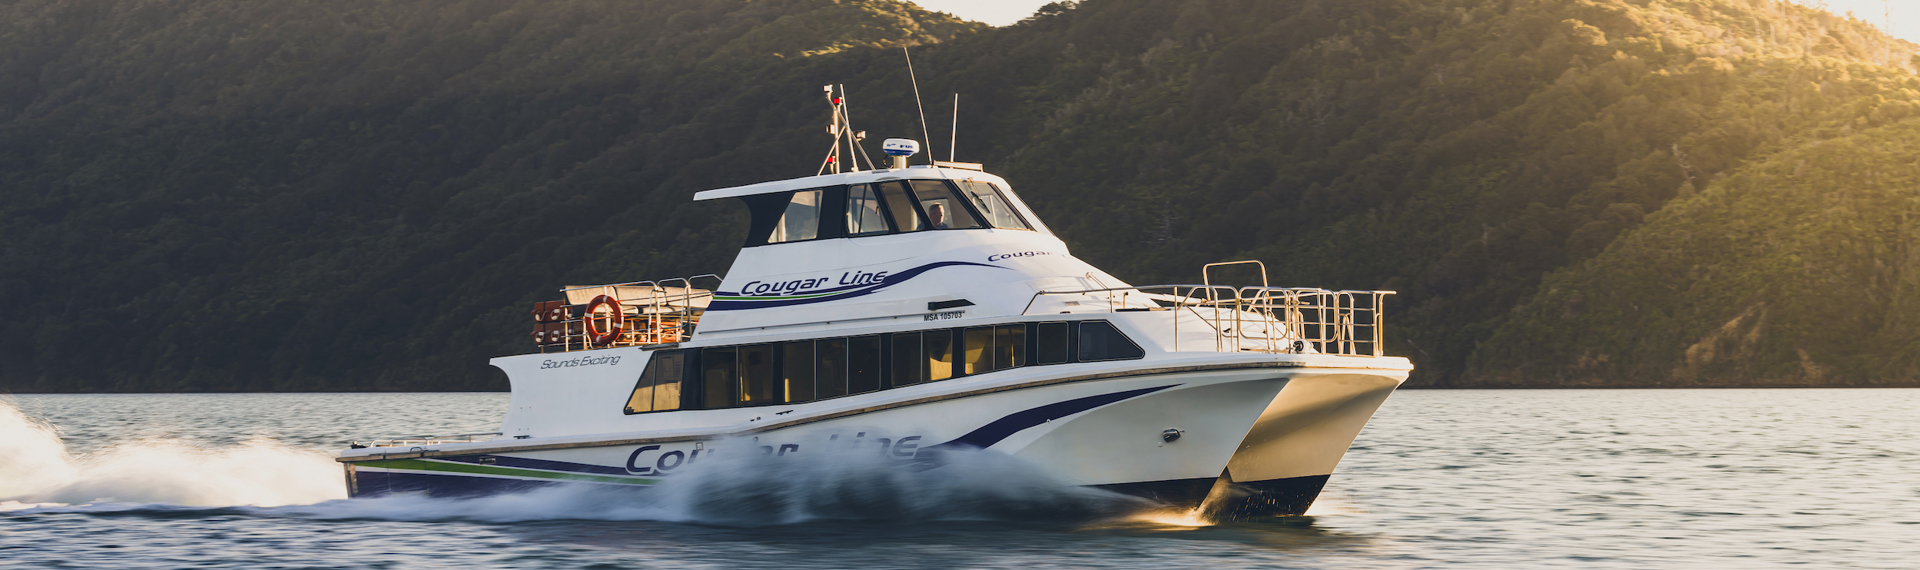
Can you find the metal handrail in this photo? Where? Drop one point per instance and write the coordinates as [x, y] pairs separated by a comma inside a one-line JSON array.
[[659, 309], [1287, 319]]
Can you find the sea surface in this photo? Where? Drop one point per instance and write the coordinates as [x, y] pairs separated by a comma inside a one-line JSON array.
[[1500, 479]]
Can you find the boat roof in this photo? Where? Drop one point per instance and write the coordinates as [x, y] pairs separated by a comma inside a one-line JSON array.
[[917, 171]]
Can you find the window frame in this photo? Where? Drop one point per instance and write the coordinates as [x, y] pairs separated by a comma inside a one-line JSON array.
[[819, 221], [1078, 336], [766, 210], [960, 186], [685, 356], [693, 393], [954, 193]]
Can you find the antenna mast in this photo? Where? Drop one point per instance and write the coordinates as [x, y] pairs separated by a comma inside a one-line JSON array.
[[842, 125], [954, 144], [916, 103]]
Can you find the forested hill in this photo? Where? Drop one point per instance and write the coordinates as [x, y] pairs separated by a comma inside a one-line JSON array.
[[367, 194]]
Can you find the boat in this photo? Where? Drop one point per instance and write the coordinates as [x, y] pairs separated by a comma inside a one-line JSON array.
[[917, 311]]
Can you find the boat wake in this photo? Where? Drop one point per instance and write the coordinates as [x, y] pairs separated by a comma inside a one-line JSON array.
[[39, 470], [266, 478]]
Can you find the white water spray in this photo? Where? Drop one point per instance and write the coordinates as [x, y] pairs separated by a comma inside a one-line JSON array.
[[750, 489], [38, 470], [270, 479], [855, 483]]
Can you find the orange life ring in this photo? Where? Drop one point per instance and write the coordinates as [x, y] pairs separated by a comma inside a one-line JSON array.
[[617, 323]]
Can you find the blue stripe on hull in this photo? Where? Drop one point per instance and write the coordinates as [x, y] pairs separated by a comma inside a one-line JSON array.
[[382, 483]]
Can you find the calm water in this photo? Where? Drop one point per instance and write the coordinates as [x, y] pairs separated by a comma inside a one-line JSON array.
[[1828, 478]]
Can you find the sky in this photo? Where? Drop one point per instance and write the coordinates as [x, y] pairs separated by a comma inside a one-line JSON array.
[[1906, 13], [998, 12]]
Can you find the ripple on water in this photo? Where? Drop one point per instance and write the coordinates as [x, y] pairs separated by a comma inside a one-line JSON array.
[[1490, 478]]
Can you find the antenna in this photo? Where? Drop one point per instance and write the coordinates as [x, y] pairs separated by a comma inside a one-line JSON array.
[[842, 125], [833, 128], [916, 103], [954, 144], [853, 137]]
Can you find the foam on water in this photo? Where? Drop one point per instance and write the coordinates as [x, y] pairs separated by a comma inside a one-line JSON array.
[[39, 470], [756, 490], [262, 477]]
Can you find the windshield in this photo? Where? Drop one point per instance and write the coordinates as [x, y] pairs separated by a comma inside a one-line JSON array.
[[944, 211], [987, 199]]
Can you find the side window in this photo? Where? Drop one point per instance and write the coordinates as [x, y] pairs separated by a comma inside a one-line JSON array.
[[642, 398], [756, 375], [900, 207], [978, 354], [925, 356], [796, 377], [995, 348], [944, 211], [1009, 346], [987, 199], [801, 220], [830, 368], [863, 364], [1100, 341], [939, 350], [659, 386], [667, 378], [908, 364], [718, 371], [1051, 343], [863, 212]]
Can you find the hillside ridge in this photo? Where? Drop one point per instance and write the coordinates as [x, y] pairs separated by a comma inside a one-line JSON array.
[[366, 195]]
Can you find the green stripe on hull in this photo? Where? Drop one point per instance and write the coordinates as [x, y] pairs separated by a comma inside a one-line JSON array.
[[420, 465]]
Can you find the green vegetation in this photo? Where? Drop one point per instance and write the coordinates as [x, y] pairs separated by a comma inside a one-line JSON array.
[[367, 194], [1801, 270]]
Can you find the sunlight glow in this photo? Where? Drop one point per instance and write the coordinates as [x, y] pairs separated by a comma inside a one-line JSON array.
[[1188, 518]]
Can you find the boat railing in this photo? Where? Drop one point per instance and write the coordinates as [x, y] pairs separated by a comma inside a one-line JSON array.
[[635, 313], [422, 440], [1295, 320]]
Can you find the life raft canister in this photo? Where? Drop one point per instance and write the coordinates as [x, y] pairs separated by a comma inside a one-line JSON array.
[[616, 324]]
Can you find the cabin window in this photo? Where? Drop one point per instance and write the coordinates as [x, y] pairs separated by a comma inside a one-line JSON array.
[[809, 370], [642, 398], [900, 207], [659, 386], [988, 200], [756, 375], [977, 357], [939, 347], [796, 377], [718, 372], [801, 220], [863, 212], [944, 211], [863, 364], [830, 368], [1050, 343], [1099, 340], [1009, 346], [908, 365], [995, 348]]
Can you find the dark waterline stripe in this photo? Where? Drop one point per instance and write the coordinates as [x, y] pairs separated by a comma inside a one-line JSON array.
[[435, 465]]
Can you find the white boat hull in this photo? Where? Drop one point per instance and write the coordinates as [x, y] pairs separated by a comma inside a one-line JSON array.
[[1262, 437]]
